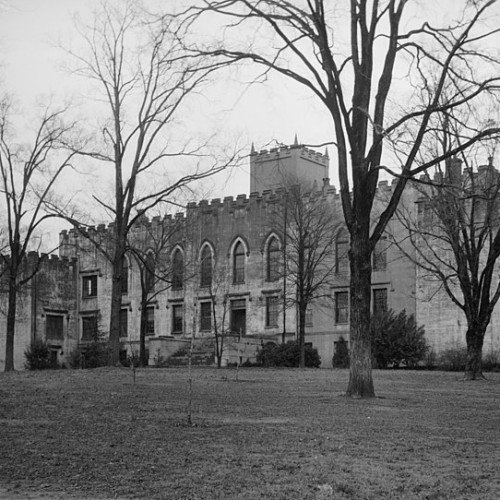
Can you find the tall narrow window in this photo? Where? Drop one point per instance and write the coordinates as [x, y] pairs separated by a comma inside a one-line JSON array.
[[273, 260], [150, 272], [123, 323], [379, 300], [271, 311], [239, 263], [125, 277], [341, 307], [177, 318], [341, 253], [206, 266], [380, 256], [205, 316], [150, 320], [89, 286], [177, 270]]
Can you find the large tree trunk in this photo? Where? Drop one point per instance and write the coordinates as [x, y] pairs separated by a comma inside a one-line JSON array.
[[360, 376], [473, 366], [11, 325], [116, 305]]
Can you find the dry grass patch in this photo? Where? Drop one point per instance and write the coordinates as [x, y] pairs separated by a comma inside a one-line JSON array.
[[280, 434]]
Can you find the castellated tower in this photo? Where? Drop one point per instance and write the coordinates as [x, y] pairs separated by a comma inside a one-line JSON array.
[[270, 169]]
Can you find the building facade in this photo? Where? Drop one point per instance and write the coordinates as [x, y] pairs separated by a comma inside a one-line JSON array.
[[217, 272]]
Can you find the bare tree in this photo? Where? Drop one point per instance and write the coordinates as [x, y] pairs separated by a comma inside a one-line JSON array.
[[145, 79], [150, 245], [350, 63], [456, 240], [307, 223], [29, 172]]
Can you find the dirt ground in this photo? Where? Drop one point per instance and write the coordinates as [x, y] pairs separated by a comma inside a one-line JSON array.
[[277, 434]]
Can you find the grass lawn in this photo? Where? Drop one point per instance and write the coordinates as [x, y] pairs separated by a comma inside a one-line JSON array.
[[277, 434]]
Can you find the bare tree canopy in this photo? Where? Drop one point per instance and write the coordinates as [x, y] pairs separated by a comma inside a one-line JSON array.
[[29, 170], [369, 63], [145, 78], [307, 225]]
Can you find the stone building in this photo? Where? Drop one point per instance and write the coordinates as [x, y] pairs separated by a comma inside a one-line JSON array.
[[46, 309], [220, 254]]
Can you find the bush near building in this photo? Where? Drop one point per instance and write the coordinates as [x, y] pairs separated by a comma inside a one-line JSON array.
[[397, 340], [40, 357], [287, 355]]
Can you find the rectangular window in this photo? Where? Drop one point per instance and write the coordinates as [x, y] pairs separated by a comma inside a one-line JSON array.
[[89, 286], [89, 328], [379, 300], [123, 323], [238, 316], [380, 256], [177, 318], [205, 316], [272, 311], [54, 327], [150, 320], [341, 307]]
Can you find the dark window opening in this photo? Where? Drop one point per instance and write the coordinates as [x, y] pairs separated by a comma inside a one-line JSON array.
[[273, 260], [238, 316], [271, 311], [123, 323], [125, 277], [380, 256], [89, 328], [239, 264], [177, 318], [205, 316], [341, 307], [150, 320], [206, 266], [150, 272], [89, 286], [54, 327], [341, 255], [177, 270]]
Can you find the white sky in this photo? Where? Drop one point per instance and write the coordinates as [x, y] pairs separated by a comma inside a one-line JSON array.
[[33, 71]]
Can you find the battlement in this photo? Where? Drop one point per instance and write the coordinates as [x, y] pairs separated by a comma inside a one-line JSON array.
[[282, 152]]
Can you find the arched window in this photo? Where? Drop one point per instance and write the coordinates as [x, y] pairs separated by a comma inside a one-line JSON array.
[[273, 260], [177, 270], [206, 266], [239, 263], [150, 272]]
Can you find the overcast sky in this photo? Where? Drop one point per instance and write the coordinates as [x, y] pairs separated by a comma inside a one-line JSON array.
[[32, 70]]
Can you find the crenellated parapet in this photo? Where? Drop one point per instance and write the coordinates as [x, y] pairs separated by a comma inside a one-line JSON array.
[[284, 152]]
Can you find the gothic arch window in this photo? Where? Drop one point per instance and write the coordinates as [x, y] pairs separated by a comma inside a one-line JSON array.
[[273, 255], [177, 269], [239, 263], [341, 252], [206, 266]]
